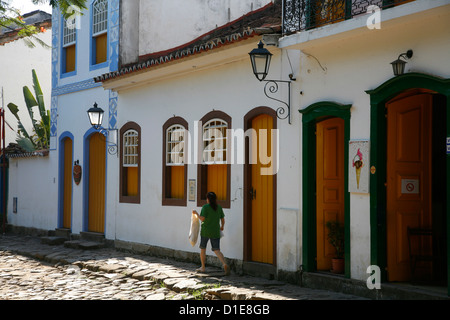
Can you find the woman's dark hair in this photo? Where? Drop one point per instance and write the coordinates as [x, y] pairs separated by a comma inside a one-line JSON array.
[[212, 200]]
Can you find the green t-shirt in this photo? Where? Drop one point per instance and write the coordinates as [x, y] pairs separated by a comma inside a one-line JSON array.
[[211, 225]]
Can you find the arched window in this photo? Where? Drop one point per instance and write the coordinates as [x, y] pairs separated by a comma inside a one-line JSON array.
[[174, 162], [69, 45], [213, 174], [99, 31], [130, 161]]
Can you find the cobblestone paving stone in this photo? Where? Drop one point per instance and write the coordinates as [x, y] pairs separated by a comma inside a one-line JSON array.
[[30, 270]]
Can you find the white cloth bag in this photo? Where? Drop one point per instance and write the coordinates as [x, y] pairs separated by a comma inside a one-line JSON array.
[[195, 229]]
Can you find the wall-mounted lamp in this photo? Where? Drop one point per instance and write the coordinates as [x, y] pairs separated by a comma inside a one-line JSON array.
[[398, 66], [260, 58], [95, 115]]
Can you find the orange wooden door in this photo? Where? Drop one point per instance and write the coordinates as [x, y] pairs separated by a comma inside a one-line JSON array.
[[262, 184], [408, 177], [330, 184], [67, 193], [97, 175]]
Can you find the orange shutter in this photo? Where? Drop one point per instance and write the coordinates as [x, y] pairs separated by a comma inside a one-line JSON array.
[[217, 180], [177, 182], [70, 58], [132, 181], [101, 46]]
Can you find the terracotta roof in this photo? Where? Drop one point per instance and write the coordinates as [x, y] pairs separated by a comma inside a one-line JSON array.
[[264, 20], [37, 18], [13, 150]]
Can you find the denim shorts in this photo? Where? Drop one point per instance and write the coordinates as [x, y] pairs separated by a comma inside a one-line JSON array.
[[215, 243]]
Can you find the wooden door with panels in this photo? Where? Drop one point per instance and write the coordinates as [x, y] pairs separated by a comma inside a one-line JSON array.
[[260, 190], [330, 184], [67, 184], [97, 176], [409, 174]]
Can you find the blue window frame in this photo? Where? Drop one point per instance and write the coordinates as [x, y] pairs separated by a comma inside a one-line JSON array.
[[99, 35], [68, 47]]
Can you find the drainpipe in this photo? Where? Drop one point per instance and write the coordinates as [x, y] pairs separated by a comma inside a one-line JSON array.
[[3, 159]]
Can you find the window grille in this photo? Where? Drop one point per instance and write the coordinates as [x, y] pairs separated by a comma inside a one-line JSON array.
[[175, 145], [215, 142], [130, 148], [100, 17], [69, 32]]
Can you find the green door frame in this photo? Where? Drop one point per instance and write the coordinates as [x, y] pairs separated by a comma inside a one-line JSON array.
[[312, 114], [378, 124]]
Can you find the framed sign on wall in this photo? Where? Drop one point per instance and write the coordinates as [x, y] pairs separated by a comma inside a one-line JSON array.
[[359, 166]]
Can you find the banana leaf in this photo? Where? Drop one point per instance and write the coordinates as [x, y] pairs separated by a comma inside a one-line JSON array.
[[30, 102], [21, 129], [39, 98], [26, 144]]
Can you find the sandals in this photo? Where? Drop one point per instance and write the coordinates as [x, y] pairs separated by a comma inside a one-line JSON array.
[[227, 269]]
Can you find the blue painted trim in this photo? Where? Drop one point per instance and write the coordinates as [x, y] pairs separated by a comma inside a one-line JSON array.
[[55, 47], [62, 65], [62, 159], [114, 34], [86, 141], [75, 86]]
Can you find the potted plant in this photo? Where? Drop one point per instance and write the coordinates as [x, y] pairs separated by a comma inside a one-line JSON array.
[[336, 233]]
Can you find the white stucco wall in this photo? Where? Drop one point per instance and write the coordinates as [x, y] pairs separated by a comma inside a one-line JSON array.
[[234, 90], [167, 24], [359, 62], [16, 64], [36, 192], [73, 118]]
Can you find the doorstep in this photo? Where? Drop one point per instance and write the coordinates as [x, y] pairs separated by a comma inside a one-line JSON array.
[[388, 291]]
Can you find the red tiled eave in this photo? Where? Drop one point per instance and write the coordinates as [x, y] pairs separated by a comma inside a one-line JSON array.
[[247, 26]]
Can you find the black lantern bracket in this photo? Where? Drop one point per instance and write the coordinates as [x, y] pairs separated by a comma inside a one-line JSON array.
[[260, 58], [398, 66], [110, 134], [95, 115], [271, 88]]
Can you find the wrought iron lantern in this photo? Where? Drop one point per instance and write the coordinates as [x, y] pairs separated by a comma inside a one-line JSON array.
[[398, 66], [260, 58], [95, 115]]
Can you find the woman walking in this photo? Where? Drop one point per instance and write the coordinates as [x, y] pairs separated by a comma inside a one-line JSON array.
[[213, 221]]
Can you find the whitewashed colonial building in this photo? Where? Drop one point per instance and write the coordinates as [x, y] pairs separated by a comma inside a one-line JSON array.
[[330, 134]]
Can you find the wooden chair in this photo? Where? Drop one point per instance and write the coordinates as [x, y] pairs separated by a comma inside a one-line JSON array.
[[422, 249]]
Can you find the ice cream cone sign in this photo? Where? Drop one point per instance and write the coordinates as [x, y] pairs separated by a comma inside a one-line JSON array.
[[358, 164]]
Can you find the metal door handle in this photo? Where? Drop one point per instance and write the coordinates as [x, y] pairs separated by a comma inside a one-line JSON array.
[[252, 193]]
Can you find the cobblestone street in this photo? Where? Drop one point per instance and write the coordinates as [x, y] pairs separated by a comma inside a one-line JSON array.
[[30, 270]]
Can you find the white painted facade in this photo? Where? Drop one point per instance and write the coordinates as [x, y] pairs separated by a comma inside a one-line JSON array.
[[34, 187], [154, 26], [15, 76], [337, 63], [71, 96], [340, 62]]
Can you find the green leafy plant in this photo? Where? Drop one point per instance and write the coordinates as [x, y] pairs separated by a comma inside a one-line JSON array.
[[41, 128], [336, 234], [11, 18]]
